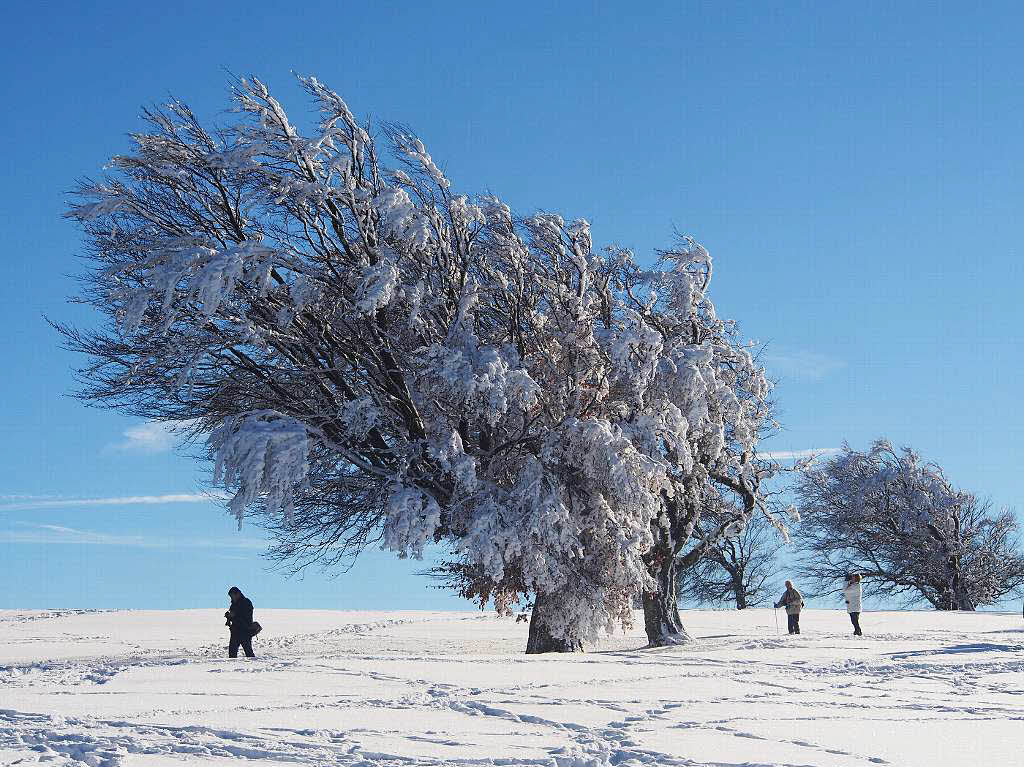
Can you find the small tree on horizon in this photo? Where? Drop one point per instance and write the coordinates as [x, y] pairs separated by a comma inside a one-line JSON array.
[[736, 568], [897, 520]]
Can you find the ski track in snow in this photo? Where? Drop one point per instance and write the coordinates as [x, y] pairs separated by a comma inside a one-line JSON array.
[[434, 688]]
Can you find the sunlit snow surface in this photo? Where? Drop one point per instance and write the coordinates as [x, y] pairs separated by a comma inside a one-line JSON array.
[[417, 688]]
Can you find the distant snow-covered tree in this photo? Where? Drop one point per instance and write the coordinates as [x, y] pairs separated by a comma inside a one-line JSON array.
[[372, 358], [898, 521]]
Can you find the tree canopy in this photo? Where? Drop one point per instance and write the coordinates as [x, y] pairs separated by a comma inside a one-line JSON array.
[[371, 358]]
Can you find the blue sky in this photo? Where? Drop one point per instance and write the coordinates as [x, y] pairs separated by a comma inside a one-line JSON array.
[[855, 172]]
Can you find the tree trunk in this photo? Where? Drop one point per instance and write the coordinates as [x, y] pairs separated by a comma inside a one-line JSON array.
[[953, 594], [739, 593], [963, 602], [955, 598], [661, 608], [961, 599], [541, 639]]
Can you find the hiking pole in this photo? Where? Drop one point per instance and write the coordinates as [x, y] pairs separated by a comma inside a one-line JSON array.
[[776, 611]]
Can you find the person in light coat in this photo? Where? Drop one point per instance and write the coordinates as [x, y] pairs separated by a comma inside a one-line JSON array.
[[852, 592], [793, 602]]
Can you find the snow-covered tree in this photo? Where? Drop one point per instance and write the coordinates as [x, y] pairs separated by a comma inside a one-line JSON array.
[[695, 404], [373, 358], [736, 568], [898, 521], [709, 376]]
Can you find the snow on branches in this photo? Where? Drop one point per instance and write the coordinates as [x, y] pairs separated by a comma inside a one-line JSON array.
[[377, 358], [261, 455], [898, 520]]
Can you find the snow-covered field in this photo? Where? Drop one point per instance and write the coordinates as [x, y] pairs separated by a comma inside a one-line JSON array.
[[416, 688]]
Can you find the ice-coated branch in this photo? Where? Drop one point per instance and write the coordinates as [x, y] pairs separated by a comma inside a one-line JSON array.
[[261, 455]]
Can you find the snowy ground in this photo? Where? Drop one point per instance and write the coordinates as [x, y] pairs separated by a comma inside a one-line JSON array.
[[415, 688]]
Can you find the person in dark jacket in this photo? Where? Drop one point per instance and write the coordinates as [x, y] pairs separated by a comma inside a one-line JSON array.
[[239, 619], [793, 602]]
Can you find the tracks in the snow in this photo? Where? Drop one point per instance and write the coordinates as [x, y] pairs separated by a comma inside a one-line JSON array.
[[775, 704]]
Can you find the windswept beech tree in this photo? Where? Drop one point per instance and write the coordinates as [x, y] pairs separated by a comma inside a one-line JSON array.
[[372, 358], [898, 521]]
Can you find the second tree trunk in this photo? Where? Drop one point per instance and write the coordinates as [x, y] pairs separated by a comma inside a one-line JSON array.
[[661, 609]]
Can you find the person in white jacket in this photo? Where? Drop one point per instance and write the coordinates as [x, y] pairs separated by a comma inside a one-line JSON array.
[[852, 592]]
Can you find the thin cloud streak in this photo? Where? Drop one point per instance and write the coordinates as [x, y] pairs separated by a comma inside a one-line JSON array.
[[58, 534], [152, 436], [126, 500], [801, 365], [785, 455]]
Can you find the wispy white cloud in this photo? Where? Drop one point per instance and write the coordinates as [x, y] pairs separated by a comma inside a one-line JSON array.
[[802, 365], [124, 500], [151, 436], [785, 455], [59, 534]]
